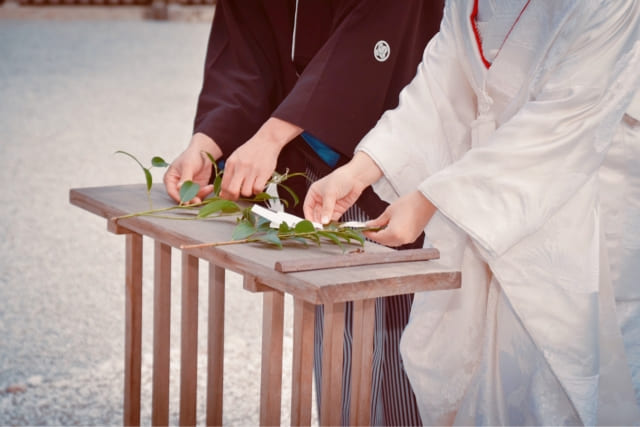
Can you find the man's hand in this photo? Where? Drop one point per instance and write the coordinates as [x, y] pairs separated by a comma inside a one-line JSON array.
[[251, 165], [192, 165], [403, 220], [331, 196]]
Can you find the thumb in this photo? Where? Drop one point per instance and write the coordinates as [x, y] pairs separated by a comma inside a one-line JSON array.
[[379, 222], [173, 180]]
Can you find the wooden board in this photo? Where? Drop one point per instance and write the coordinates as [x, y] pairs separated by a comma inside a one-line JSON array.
[[353, 259]]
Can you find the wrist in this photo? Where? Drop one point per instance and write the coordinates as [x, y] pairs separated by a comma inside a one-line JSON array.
[[423, 205], [204, 143], [364, 170], [278, 132]]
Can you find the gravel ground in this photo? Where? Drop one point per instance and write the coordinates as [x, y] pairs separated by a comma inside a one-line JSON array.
[[72, 92]]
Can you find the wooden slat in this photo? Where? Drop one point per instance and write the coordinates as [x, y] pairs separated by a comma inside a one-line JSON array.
[[161, 335], [133, 329], [362, 362], [252, 284], [215, 361], [332, 346], [115, 228], [355, 259], [189, 341], [302, 371], [271, 370]]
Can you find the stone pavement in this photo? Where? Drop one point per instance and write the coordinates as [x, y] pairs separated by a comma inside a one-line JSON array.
[[72, 92]]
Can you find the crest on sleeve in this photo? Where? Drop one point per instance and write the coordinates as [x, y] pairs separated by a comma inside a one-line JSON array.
[[381, 51]]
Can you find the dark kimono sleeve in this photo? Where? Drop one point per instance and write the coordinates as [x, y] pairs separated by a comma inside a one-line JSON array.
[[242, 80], [344, 89]]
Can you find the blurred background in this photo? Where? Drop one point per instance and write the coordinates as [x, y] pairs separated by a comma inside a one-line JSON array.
[[79, 80]]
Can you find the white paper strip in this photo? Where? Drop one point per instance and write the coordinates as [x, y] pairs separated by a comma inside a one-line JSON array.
[[278, 218]]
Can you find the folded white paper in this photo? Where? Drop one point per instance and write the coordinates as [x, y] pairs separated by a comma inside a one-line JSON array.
[[278, 218]]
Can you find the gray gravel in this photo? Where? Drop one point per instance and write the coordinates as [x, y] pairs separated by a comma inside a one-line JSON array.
[[71, 94]]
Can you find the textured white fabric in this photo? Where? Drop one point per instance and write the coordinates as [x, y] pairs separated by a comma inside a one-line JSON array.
[[534, 170], [495, 19], [634, 108]]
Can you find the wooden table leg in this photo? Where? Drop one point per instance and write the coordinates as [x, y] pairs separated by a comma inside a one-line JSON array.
[[271, 374], [189, 341], [215, 361], [133, 329], [362, 362], [332, 347], [302, 371], [161, 334]]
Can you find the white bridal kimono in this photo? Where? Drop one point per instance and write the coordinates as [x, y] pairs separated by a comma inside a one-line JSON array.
[[535, 170]]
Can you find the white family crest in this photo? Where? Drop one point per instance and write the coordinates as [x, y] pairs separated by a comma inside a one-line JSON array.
[[381, 51]]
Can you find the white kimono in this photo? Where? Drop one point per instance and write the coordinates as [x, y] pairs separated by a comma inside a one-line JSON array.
[[535, 170]]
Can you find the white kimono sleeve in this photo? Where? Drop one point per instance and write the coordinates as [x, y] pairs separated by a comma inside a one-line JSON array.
[[435, 107], [507, 188]]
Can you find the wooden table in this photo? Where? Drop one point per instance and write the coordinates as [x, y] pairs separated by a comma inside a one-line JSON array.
[[331, 287]]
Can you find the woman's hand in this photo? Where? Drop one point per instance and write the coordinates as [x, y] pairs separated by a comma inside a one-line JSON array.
[[331, 196], [403, 220]]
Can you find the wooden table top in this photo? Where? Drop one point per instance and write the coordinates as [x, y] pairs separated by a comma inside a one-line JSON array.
[[258, 260]]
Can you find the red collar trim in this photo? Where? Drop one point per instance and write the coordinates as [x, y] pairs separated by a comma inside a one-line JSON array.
[[476, 33]]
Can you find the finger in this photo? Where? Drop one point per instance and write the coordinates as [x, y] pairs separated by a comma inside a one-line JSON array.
[[205, 191], [248, 183], [328, 206], [312, 207], [261, 182], [230, 186], [383, 237], [380, 221], [171, 183], [308, 207]]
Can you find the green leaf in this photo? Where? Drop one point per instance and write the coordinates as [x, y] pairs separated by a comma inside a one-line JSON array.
[[159, 162], [331, 236], [147, 174], [299, 240], [261, 197], [243, 230], [270, 238], [304, 226], [211, 159], [284, 228], [354, 234], [292, 193], [148, 178], [247, 215], [188, 191], [313, 237], [217, 185], [215, 206], [132, 156], [263, 223]]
